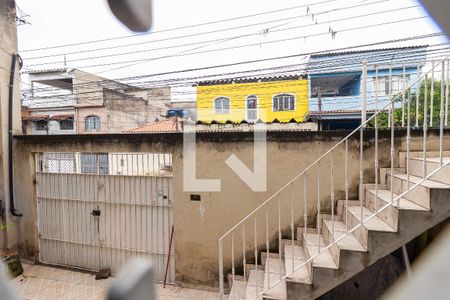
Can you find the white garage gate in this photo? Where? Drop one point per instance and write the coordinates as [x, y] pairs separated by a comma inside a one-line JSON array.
[[100, 210]]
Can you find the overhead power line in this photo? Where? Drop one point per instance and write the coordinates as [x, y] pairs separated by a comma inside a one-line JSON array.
[[265, 59], [188, 52], [183, 27], [326, 66], [217, 40], [219, 30]]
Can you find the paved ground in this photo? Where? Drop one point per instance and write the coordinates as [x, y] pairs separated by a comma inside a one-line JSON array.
[[47, 283]]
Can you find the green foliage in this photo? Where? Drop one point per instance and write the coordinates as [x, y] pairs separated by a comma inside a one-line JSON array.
[[382, 117]]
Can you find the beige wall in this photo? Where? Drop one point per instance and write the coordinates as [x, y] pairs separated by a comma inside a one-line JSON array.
[[8, 43], [198, 225], [120, 111]]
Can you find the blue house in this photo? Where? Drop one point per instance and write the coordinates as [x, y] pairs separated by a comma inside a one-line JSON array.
[[337, 78]]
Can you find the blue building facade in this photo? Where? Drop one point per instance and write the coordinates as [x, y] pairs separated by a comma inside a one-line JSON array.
[[337, 77]]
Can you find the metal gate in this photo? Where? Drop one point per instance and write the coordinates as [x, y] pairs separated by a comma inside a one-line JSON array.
[[100, 210]]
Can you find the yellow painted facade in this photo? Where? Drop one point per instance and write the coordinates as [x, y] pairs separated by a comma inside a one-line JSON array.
[[265, 93]]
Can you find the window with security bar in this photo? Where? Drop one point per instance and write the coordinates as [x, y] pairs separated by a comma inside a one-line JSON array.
[[66, 124], [93, 163], [57, 163], [284, 102]]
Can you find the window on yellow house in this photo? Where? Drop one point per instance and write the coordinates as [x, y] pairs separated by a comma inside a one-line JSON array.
[[222, 105], [283, 102]]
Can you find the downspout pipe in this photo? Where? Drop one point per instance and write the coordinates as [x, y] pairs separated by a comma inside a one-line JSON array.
[[12, 206]]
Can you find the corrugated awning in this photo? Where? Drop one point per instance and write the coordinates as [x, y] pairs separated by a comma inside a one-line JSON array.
[[61, 117], [35, 118]]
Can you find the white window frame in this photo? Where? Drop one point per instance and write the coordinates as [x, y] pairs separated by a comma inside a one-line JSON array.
[[285, 106], [222, 109], [89, 125], [255, 109], [382, 86]]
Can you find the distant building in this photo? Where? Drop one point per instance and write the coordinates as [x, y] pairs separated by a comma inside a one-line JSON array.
[[268, 99], [337, 77], [68, 101], [167, 125]]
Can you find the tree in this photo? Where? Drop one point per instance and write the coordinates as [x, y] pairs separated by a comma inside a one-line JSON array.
[[411, 96]]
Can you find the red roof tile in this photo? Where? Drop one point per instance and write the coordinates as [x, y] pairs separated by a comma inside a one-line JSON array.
[[166, 125], [35, 117], [61, 117]]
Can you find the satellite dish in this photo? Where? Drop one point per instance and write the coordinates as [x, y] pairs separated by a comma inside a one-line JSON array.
[[135, 14]]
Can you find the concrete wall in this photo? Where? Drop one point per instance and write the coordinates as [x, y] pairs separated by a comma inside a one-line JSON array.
[[8, 43], [199, 224]]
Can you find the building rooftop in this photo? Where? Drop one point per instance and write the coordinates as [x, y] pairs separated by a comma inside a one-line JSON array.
[[367, 51], [252, 79], [51, 70], [167, 125]]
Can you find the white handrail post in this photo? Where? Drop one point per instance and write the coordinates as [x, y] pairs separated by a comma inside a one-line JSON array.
[[441, 115], [446, 93], [432, 95], [221, 269], [364, 93], [403, 95], [392, 118], [418, 97], [425, 124], [376, 139]]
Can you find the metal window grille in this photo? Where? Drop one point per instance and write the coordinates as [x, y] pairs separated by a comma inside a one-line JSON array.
[[91, 163], [66, 124], [57, 163], [283, 102]]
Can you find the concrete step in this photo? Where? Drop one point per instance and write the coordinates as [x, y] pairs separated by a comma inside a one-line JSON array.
[[350, 242], [255, 285], [419, 154], [238, 289], [288, 242], [379, 243], [416, 167], [311, 246], [264, 256], [419, 195], [274, 285], [275, 266], [294, 258], [390, 214], [301, 230], [341, 206], [374, 224]]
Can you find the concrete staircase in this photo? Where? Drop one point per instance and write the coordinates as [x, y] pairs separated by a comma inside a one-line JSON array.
[[418, 210]]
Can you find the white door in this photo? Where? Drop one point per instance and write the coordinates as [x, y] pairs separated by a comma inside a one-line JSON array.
[[92, 220]]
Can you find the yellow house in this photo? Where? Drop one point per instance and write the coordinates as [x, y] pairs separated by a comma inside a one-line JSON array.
[[266, 99]]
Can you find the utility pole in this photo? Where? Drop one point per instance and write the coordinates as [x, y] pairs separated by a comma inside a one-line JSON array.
[[319, 102]]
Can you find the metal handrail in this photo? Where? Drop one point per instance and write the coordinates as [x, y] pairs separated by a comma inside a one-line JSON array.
[[320, 158], [391, 109], [358, 226]]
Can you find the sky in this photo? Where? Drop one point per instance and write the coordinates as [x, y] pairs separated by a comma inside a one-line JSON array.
[[308, 26]]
